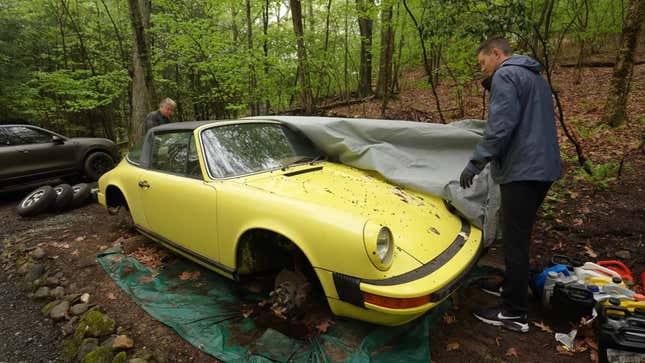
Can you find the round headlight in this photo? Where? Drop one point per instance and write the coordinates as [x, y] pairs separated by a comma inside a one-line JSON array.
[[384, 245], [379, 245]]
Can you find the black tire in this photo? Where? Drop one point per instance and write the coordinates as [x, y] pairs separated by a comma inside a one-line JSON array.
[[81, 193], [94, 192], [97, 164], [64, 195], [37, 201]]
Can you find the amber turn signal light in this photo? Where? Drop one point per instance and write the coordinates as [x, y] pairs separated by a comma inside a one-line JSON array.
[[396, 303]]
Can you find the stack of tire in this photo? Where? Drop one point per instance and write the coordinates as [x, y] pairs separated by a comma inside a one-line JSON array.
[[56, 199]]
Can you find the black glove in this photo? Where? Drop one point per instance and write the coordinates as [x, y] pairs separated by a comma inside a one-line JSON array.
[[467, 176]]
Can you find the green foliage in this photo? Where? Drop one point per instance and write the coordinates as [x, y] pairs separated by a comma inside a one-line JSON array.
[[602, 175], [65, 64]]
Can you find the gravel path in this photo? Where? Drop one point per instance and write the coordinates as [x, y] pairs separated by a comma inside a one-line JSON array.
[[25, 334]]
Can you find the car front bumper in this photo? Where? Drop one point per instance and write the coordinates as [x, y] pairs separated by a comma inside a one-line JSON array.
[[405, 297]]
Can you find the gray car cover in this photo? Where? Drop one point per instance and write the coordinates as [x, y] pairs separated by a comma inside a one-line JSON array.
[[420, 156]]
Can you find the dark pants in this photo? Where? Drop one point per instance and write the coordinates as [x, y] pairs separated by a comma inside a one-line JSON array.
[[520, 202]]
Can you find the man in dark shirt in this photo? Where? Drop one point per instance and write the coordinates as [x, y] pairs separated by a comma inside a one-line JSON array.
[[520, 142], [161, 116]]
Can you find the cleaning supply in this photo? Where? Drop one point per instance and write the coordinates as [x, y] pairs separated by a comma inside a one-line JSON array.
[[540, 278], [620, 331], [572, 301], [616, 288], [624, 272], [628, 304], [590, 270]]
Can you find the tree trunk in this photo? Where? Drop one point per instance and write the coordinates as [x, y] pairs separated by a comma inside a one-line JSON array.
[[615, 113], [234, 30], [365, 27], [306, 96], [346, 53], [387, 50], [426, 62], [253, 105], [142, 79], [265, 48]]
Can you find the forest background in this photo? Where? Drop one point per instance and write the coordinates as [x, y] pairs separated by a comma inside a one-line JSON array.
[[97, 67]]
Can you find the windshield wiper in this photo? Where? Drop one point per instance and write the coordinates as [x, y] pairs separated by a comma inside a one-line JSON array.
[[298, 160]]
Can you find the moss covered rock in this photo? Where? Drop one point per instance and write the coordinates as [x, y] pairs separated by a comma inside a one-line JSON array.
[[70, 350], [95, 324], [87, 345], [120, 358], [47, 308], [99, 355]]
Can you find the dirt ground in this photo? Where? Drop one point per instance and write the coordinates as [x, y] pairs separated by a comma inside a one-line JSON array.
[[587, 218]]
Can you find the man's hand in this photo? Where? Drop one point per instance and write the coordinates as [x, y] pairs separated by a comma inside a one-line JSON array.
[[467, 176]]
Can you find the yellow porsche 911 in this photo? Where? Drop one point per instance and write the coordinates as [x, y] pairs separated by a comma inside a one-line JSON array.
[[248, 196]]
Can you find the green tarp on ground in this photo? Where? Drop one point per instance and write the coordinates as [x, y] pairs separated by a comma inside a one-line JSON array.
[[207, 312]]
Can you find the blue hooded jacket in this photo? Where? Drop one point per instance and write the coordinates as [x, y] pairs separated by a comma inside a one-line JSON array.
[[520, 139]]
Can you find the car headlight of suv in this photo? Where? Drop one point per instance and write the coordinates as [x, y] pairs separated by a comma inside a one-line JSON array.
[[379, 245]]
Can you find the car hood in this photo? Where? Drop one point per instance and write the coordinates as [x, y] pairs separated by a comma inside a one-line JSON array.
[[420, 223]]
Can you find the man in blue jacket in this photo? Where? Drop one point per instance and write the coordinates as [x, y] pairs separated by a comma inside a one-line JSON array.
[[521, 144]]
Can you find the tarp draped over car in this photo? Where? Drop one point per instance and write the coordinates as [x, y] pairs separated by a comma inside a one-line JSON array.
[[421, 156]]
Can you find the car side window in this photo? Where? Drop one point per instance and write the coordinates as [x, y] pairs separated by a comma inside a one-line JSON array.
[[22, 135], [170, 152], [4, 138], [193, 170], [134, 155]]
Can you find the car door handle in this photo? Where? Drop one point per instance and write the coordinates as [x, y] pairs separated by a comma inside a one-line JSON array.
[[144, 184]]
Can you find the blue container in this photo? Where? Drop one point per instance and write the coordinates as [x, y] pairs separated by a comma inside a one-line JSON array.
[[541, 277]]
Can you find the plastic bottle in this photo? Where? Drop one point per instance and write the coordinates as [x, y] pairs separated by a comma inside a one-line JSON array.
[[541, 277], [615, 288], [547, 291], [587, 272]]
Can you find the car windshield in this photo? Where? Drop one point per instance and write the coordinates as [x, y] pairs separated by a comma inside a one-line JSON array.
[[241, 149]]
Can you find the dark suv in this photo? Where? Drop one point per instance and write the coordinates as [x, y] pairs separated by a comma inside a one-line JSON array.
[[31, 155]]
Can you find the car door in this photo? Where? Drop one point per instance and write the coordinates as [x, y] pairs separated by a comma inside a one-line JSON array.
[[179, 206], [32, 153]]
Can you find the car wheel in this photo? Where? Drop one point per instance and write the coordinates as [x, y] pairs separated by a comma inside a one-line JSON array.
[[81, 193], [64, 195], [97, 164], [36, 201]]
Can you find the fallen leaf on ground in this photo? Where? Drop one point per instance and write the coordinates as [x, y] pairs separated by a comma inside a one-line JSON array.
[[562, 350], [193, 276], [557, 247], [511, 352], [591, 343], [148, 278], [79, 239], [545, 328], [102, 247], [497, 341], [593, 355], [590, 252], [580, 346], [247, 313], [323, 326], [452, 346], [59, 245], [449, 318], [111, 296]]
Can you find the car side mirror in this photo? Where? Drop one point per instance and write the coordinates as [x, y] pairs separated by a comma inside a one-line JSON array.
[[57, 140]]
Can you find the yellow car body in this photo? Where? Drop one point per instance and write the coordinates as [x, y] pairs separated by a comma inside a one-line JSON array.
[[332, 213]]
